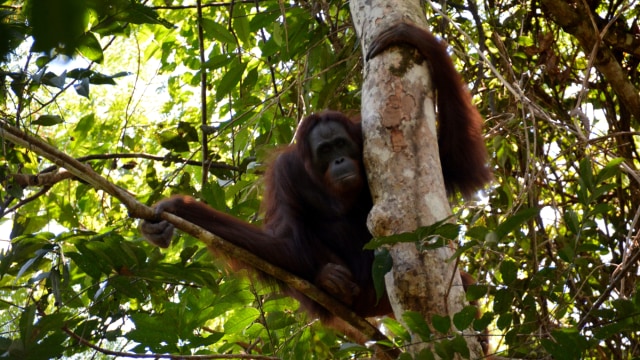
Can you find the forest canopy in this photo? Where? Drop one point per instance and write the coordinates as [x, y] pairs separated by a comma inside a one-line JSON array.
[[193, 97]]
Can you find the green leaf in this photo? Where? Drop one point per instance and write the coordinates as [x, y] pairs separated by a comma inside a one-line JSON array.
[[475, 292], [602, 208], [610, 330], [463, 319], [241, 25], [441, 323], [218, 32], [484, 321], [126, 286], [424, 354], [502, 301], [230, 80], [151, 177], [90, 47], [52, 79], [568, 345], [102, 79], [396, 328], [276, 34], [442, 230], [188, 132], [572, 221], [151, 329], [586, 173], [515, 221], [504, 321], [525, 41], [90, 258], [348, 349], [56, 24], [477, 232], [544, 275], [610, 170], [382, 264], [95, 77], [444, 349], [26, 324], [601, 190], [171, 140], [250, 80], [509, 271], [264, 20], [85, 124], [417, 324], [39, 254], [137, 13], [392, 239], [218, 61], [210, 339], [48, 120], [42, 61], [241, 319], [54, 277], [82, 87], [459, 345]]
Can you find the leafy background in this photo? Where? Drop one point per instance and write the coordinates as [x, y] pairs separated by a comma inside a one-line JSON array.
[[119, 85]]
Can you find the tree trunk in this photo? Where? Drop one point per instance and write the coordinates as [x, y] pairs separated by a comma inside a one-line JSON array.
[[403, 166]]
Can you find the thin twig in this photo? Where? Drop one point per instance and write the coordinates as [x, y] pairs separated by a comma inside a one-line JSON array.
[[203, 97]]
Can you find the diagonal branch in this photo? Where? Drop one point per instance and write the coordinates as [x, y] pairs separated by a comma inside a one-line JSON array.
[[138, 210], [575, 20], [75, 167]]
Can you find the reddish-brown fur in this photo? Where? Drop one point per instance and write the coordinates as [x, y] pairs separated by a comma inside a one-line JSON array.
[[462, 152], [314, 228]]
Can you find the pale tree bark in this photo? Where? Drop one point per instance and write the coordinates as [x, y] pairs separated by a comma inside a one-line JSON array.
[[403, 166]]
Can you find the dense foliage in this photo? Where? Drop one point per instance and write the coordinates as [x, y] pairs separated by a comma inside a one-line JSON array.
[[119, 85]]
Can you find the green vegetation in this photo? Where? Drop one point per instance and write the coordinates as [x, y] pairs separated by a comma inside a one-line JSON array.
[[553, 241]]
